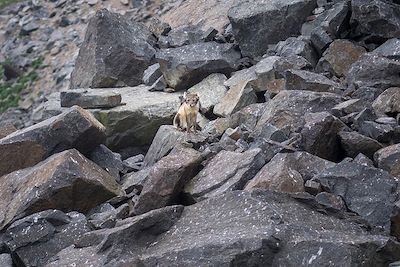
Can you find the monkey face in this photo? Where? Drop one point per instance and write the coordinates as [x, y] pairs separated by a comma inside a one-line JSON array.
[[191, 99]]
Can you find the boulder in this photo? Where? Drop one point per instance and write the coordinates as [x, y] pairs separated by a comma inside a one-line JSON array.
[[376, 20], [380, 132], [330, 201], [247, 116], [65, 181], [319, 135], [188, 65], [74, 128], [184, 35], [287, 172], [348, 107], [6, 130], [257, 24], [339, 56], [152, 74], [388, 102], [166, 138], [354, 143], [299, 46], [372, 70], [92, 99], [238, 97], [369, 192], [227, 171], [115, 53], [178, 167], [307, 80], [211, 91], [388, 158], [134, 124], [106, 216], [363, 160], [48, 231], [286, 110], [111, 162], [390, 49], [6, 260]]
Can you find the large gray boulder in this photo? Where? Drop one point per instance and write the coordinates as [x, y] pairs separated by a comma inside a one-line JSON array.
[[235, 229], [354, 143], [369, 192], [376, 19], [48, 231], [115, 53], [66, 181], [256, 24], [388, 159], [227, 171], [188, 65], [133, 124], [74, 128]]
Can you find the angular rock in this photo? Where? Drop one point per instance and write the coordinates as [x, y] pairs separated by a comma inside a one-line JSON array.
[[106, 216], [330, 201], [347, 107], [390, 49], [354, 143], [388, 158], [227, 171], [257, 24], [115, 53], [166, 138], [6, 260], [91, 99], [380, 132], [6, 130], [369, 192], [286, 110], [312, 187], [270, 132], [75, 128], [388, 102], [376, 20], [65, 181], [238, 97], [111, 162], [319, 135], [151, 74], [299, 46], [134, 163], [339, 57], [211, 90], [184, 35], [307, 80], [363, 160], [372, 70], [178, 167], [33, 240], [287, 172], [188, 65]]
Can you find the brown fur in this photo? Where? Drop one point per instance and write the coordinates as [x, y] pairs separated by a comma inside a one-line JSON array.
[[186, 117]]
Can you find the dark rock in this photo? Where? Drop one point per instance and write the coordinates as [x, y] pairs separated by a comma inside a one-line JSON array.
[[211, 91], [133, 182], [179, 166], [159, 85], [330, 201], [299, 46], [115, 53], [347, 107], [106, 216], [321, 39], [257, 24], [157, 27], [390, 49], [183, 35], [380, 132], [33, 240], [287, 172], [388, 158], [66, 181], [238, 97], [111, 162], [339, 56], [134, 163], [151, 74], [7, 129], [166, 138], [312, 187], [307, 80], [270, 132], [369, 192], [365, 115], [366, 93], [388, 102], [75, 128], [363, 160], [354, 143], [387, 121], [29, 27], [376, 71], [376, 20], [186, 66], [319, 135], [227, 171], [286, 110], [91, 99]]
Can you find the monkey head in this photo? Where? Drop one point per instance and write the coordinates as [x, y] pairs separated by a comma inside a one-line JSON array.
[[191, 99]]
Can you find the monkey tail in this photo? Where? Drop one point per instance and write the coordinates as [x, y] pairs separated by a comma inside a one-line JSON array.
[[177, 121]]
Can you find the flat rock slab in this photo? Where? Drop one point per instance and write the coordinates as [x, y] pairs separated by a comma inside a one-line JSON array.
[[133, 124], [65, 181], [74, 128], [90, 99]]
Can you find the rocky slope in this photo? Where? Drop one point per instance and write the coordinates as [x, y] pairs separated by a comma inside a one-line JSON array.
[[297, 162]]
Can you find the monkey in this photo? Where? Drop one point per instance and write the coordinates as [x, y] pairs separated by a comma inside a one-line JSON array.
[[186, 118]]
